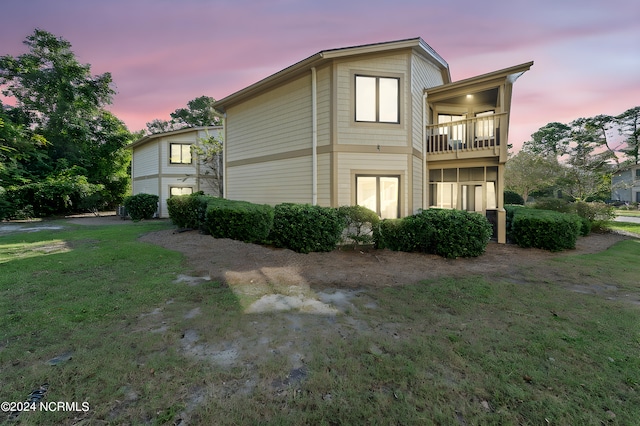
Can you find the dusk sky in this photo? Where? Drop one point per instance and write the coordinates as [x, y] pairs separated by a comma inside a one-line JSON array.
[[164, 53]]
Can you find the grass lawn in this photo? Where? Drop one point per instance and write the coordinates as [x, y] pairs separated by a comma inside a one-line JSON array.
[[633, 213], [631, 227], [104, 308]]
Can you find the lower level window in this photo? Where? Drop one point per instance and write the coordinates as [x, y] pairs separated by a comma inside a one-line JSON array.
[[380, 194], [180, 190]]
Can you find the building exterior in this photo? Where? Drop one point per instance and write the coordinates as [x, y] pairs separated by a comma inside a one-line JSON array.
[[625, 185], [378, 125], [163, 164]]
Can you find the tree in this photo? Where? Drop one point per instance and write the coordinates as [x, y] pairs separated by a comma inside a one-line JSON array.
[[60, 117], [199, 112], [209, 152], [629, 127], [551, 139], [529, 171], [587, 163]]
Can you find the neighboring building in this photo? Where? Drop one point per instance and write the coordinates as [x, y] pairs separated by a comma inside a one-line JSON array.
[[378, 125], [163, 164], [625, 185]]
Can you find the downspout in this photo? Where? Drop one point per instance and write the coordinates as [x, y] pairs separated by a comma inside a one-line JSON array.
[[314, 137], [424, 151], [224, 155]]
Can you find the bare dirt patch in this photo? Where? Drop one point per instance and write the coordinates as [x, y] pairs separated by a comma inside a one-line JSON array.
[[254, 266]]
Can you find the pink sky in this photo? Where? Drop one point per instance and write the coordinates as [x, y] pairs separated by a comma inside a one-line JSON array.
[[164, 53]]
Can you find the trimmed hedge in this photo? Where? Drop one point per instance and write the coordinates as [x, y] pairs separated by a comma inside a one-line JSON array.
[[238, 220], [511, 197], [141, 206], [395, 234], [545, 229], [189, 211], [359, 224], [447, 233], [305, 228]]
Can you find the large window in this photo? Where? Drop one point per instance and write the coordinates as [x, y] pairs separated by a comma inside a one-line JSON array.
[[380, 194], [377, 99], [180, 153]]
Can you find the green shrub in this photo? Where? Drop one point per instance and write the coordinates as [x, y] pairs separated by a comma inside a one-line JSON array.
[[394, 234], [359, 224], [457, 233], [141, 206], [238, 220], [511, 197], [556, 204], [305, 228], [56, 195], [447, 233], [545, 229], [594, 215], [189, 211]]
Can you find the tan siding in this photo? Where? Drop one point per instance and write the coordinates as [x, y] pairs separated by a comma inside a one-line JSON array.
[[417, 185], [424, 75], [324, 106], [271, 182], [275, 122], [350, 132], [324, 180], [145, 160], [145, 186], [350, 163]]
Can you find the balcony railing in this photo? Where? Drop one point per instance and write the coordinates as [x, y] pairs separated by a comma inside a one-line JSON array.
[[469, 135]]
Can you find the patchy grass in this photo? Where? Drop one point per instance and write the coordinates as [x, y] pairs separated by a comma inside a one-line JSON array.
[[632, 213], [445, 351], [631, 227]]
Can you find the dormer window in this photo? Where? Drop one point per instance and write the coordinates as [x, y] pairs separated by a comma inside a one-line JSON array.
[[377, 99]]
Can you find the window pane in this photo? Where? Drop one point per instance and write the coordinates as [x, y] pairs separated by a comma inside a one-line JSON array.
[[450, 175], [389, 197], [491, 196], [366, 192], [389, 100], [186, 154], [444, 195], [365, 98], [175, 153], [181, 191]]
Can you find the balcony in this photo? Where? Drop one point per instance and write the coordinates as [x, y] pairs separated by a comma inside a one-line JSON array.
[[479, 136]]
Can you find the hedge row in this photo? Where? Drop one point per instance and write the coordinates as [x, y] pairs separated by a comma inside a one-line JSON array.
[[448, 233], [545, 229], [300, 227]]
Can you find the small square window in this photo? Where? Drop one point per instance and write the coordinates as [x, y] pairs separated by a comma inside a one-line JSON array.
[[180, 153]]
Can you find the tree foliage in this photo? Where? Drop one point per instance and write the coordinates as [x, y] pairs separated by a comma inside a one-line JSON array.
[[629, 127], [529, 171], [209, 152], [586, 150], [199, 112], [59, 124]]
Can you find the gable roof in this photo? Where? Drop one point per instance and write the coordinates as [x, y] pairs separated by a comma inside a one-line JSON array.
[[324, 56], [153, 136]]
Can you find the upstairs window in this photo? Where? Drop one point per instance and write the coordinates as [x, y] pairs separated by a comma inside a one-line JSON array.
[[180, 153], [377, 99]]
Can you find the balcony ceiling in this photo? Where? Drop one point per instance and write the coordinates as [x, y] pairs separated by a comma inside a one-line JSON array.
[[485, 97]]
